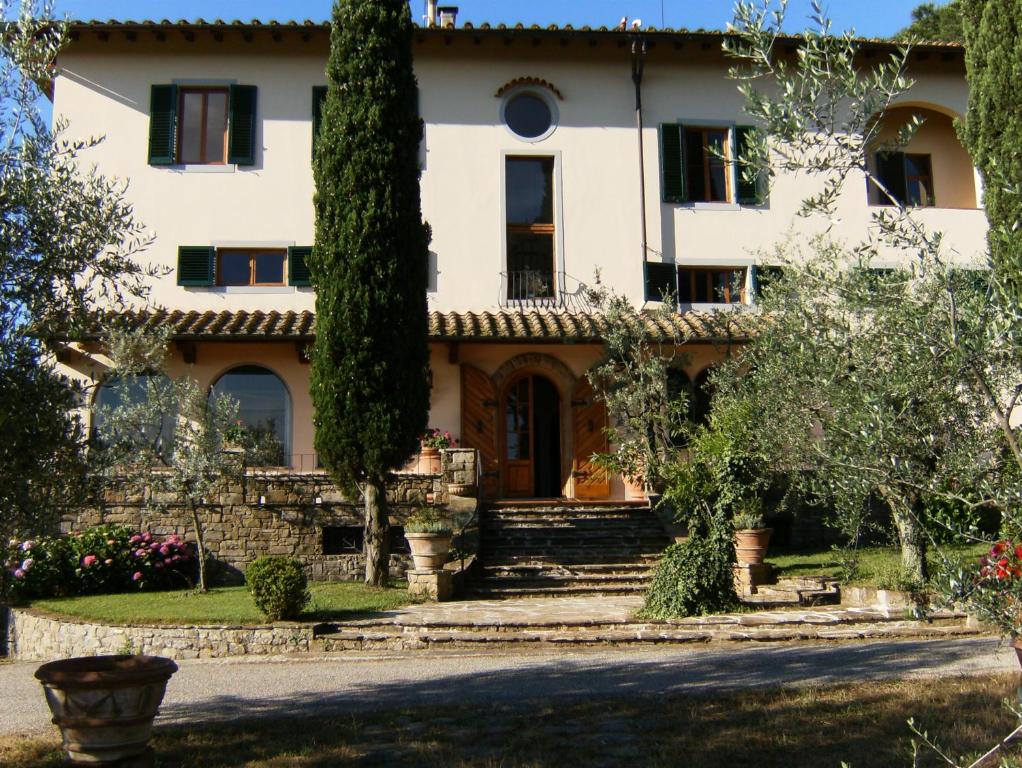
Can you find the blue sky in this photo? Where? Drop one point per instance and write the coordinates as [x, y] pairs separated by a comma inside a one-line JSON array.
[[868, 17]]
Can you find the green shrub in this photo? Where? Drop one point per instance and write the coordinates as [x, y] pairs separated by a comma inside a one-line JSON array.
[[693, 578], [428, 520], [278, 586]]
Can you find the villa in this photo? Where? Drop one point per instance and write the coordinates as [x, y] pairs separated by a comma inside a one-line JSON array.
[[538, 172]]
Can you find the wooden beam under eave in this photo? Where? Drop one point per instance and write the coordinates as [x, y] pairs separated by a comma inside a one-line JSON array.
[[188, 350], [453, 350]]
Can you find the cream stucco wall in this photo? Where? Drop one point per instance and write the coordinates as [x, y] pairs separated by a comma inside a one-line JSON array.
[[104, 90]]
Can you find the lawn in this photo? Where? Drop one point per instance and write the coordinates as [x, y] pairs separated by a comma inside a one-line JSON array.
[[878, 566], [224, 605], [863, 724]]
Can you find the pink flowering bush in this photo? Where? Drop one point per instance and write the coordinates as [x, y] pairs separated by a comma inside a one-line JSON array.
[[105, 559]]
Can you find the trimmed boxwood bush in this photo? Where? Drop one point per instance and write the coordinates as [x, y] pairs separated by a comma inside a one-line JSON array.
[[279, 586], [693, 578]]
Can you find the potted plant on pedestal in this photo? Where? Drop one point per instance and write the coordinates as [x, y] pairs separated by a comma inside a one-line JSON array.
[[433, 442], [752, 537], [429, 537]]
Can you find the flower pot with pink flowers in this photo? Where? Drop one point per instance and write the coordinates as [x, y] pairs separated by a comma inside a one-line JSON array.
[[433, 442]]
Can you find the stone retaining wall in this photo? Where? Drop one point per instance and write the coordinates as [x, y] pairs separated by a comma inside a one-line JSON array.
[[37, 637], [283, 513]]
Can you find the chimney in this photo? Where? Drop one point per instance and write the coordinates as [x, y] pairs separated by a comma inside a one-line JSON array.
[[448, 15], [431, 13]]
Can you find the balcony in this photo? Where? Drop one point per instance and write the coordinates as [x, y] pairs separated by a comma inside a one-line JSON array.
[[542, 289]]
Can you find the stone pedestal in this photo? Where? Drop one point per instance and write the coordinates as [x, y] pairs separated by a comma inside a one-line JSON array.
[[437, 586], [748, 576]]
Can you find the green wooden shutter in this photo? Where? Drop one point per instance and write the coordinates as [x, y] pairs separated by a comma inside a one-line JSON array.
[[162, 124], [750, 191], [298, 265], [672, 163], [241, 143], [318, 97], [196, 265], [891, 170], [660, 279]]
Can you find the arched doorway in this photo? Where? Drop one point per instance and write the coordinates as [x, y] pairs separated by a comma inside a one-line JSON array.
[[531, 420]]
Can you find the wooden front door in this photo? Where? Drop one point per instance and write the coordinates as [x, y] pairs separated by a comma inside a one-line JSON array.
[[589, 422], [479, 425], [519, 448]]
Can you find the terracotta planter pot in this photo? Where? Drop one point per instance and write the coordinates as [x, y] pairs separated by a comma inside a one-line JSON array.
[[633, 489], [429, 550], [429, 461], [105, 705], [751, 545], [461, 489]]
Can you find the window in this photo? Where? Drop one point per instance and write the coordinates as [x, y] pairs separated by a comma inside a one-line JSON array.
[[529, 116], [705, 164], [908, 177], [530, 227], [250, 267], [264, 407], [135, 390], [202, 136], [711, 285], [707, 173], [206, 266], [202, 125]]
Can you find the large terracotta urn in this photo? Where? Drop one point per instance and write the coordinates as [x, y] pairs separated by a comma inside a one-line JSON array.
[[429, 461], [105, 705], [429, 550], [751, 545]]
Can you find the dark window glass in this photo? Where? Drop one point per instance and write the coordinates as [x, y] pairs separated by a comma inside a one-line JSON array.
[[530, 190], [530, 228], [528, 116], [235, 268], [711, 286], [134, 390], [269, 268], [918, 180], [202, 126], [264, 406], [343, 539], [706, 164]]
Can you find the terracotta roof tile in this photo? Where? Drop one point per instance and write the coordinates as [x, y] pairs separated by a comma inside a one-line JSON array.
[[467, 27], [505, 325]]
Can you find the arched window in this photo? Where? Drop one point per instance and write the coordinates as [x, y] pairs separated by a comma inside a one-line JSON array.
[[154, 422], [264, 406], [698, 392]]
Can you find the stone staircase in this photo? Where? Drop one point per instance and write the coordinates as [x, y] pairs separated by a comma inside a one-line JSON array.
[[549, 549]]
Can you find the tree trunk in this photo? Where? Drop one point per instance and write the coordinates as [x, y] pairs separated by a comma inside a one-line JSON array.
[[908, 521], [200, 546], [377, 530]]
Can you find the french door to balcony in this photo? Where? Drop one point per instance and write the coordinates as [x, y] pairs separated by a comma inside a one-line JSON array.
[[531, 232]]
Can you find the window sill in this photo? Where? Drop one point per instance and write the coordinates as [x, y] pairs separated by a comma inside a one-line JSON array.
[[200, 168], [711, 206], [712, 307], [243, 289]]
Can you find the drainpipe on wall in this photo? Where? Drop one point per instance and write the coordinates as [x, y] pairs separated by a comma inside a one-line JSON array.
[[639, 48]]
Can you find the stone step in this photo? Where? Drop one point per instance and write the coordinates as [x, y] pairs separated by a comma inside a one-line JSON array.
[[760, 627], [562, 526], [574, 557], [571, 589], [583, 571], [531, 516], [575, 539]]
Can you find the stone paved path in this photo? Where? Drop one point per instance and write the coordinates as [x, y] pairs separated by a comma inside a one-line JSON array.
[[279, 687]]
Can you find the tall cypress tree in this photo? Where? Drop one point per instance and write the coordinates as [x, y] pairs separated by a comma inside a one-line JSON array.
[[992, 130], [370, 364]]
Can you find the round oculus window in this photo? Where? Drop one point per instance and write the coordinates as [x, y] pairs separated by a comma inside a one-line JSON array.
[[528, 116]]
